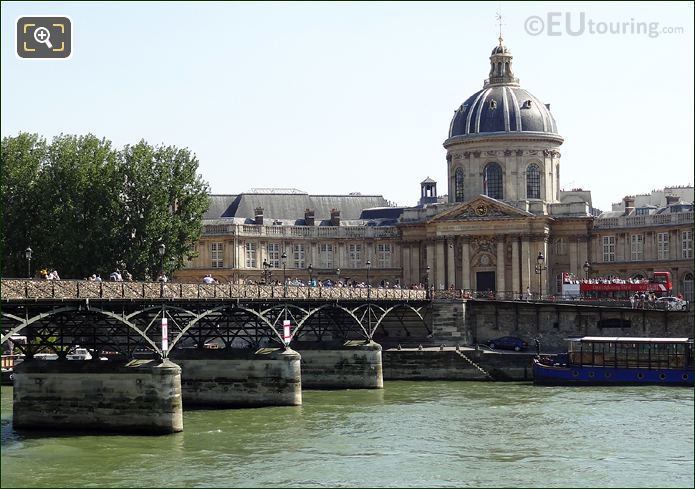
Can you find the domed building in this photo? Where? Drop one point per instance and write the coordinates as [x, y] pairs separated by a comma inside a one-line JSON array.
[[504, 208], [505, 225], [503, 142]]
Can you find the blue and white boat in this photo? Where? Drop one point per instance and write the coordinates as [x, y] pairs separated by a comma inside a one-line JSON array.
[[600, 360]]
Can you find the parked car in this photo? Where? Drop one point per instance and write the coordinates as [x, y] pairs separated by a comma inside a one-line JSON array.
[[671, 303], [507, 343]]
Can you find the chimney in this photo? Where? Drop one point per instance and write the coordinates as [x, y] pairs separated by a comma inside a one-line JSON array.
[[309, 217], [335, 217], [629, 204], [672, 199], [259, 215]]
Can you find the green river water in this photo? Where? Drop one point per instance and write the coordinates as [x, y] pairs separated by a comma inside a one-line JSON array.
[[410, 434]]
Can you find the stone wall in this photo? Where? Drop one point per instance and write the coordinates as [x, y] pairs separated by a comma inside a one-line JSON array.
[[231, 378], [352, 365], [143, 396], [550, 323]]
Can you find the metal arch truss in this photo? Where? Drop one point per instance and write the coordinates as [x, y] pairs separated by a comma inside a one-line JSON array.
[[127, 329]]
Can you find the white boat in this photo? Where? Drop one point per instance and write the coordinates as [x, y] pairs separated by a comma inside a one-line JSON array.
[[79, 354]]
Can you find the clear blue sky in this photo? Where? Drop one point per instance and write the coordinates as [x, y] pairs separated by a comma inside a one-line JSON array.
[[357, 97]]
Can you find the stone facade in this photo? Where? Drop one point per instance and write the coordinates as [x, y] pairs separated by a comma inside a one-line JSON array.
[[504, 207]]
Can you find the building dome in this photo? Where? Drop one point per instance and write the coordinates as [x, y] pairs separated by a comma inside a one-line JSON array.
[[501, 106], [502, 109]]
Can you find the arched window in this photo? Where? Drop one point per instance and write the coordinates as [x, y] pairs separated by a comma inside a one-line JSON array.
[[458, 180], [492, 181], [688, 287], [533, 182]]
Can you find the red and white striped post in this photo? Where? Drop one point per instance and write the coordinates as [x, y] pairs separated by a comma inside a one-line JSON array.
[[286, 331], [165, 336]]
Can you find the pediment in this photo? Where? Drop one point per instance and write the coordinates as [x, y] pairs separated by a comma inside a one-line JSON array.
[[481, 208]]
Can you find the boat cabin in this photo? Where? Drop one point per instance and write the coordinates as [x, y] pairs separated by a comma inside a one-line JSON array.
[[631, 352]]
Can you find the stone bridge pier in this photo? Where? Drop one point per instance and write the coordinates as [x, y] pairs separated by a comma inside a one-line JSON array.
[[354, 364], [136, 397]]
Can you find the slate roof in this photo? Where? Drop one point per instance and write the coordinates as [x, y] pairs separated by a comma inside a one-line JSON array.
[[290, 206]]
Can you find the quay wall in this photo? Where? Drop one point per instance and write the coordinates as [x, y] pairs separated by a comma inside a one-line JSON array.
[[448, 364], [470, 322], [352, 365], [235, 378], [142, 396]]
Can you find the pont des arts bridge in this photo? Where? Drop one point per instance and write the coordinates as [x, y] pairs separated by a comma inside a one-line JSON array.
[[217, 345], [225, 345]]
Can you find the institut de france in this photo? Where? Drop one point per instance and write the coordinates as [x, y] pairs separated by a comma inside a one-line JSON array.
[[504, 207]]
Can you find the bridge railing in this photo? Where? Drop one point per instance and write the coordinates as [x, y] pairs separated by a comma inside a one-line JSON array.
[[83, 289]]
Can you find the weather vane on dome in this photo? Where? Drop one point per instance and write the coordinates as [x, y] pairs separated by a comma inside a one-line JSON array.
[[498, 15]]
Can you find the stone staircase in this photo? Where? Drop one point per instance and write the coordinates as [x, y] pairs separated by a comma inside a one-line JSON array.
[[475, 365]]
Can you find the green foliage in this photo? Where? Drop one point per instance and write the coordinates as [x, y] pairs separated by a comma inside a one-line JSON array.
[[85, 208]]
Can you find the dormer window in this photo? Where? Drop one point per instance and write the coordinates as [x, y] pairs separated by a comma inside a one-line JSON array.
[[527, 105], [493, 104]]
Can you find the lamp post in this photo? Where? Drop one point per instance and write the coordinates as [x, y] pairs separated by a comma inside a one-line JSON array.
[[586, 267], [162, 251], [369, 267], [427, 281], [27, 255], [284, 273], [337, 272], [540, 260], [311, 277], [266, 272]]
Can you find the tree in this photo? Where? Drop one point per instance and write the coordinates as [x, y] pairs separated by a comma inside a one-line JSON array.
[[164, 200], [86, 208], [22, 157]]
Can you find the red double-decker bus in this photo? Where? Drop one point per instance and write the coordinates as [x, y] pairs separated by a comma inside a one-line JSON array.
[[616, 288]]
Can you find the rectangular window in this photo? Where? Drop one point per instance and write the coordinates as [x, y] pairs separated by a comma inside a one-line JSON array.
[[662, 246], [608, 248], [687, 244], [274, 255], [326, 255], [383, 254], [355, 255], [298, 255], [637, 247], [250, 254], [216, 255]]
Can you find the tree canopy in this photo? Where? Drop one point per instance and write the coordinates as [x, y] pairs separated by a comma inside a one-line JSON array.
[[85, 207]]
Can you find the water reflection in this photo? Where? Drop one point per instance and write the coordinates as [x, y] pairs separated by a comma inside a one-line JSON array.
[[410, 434]]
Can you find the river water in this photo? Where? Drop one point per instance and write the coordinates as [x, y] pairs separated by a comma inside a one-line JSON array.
[[410, 434]]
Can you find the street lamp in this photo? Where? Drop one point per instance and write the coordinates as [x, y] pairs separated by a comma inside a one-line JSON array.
[[284, 273], [27, 255], [337, 272], [369, 267], [586, 267], [162, 251], [540, 260], [311, 279], [266, 272], [427, 281]]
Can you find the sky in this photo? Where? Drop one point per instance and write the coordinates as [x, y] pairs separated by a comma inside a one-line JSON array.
[[341, 97]]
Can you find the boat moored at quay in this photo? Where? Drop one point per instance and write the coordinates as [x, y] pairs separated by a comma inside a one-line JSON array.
[[599, 360]]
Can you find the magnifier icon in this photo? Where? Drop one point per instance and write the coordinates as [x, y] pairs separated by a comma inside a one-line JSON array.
[[43, 36]]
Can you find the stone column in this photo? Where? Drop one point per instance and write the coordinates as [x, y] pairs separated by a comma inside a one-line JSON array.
[[575, 267], [405, 262], [465, 265], [526, 270], [582, 255], [430, 263], [450, 264], [516, 285], [439, 262], [500, 265], [415, 264]]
